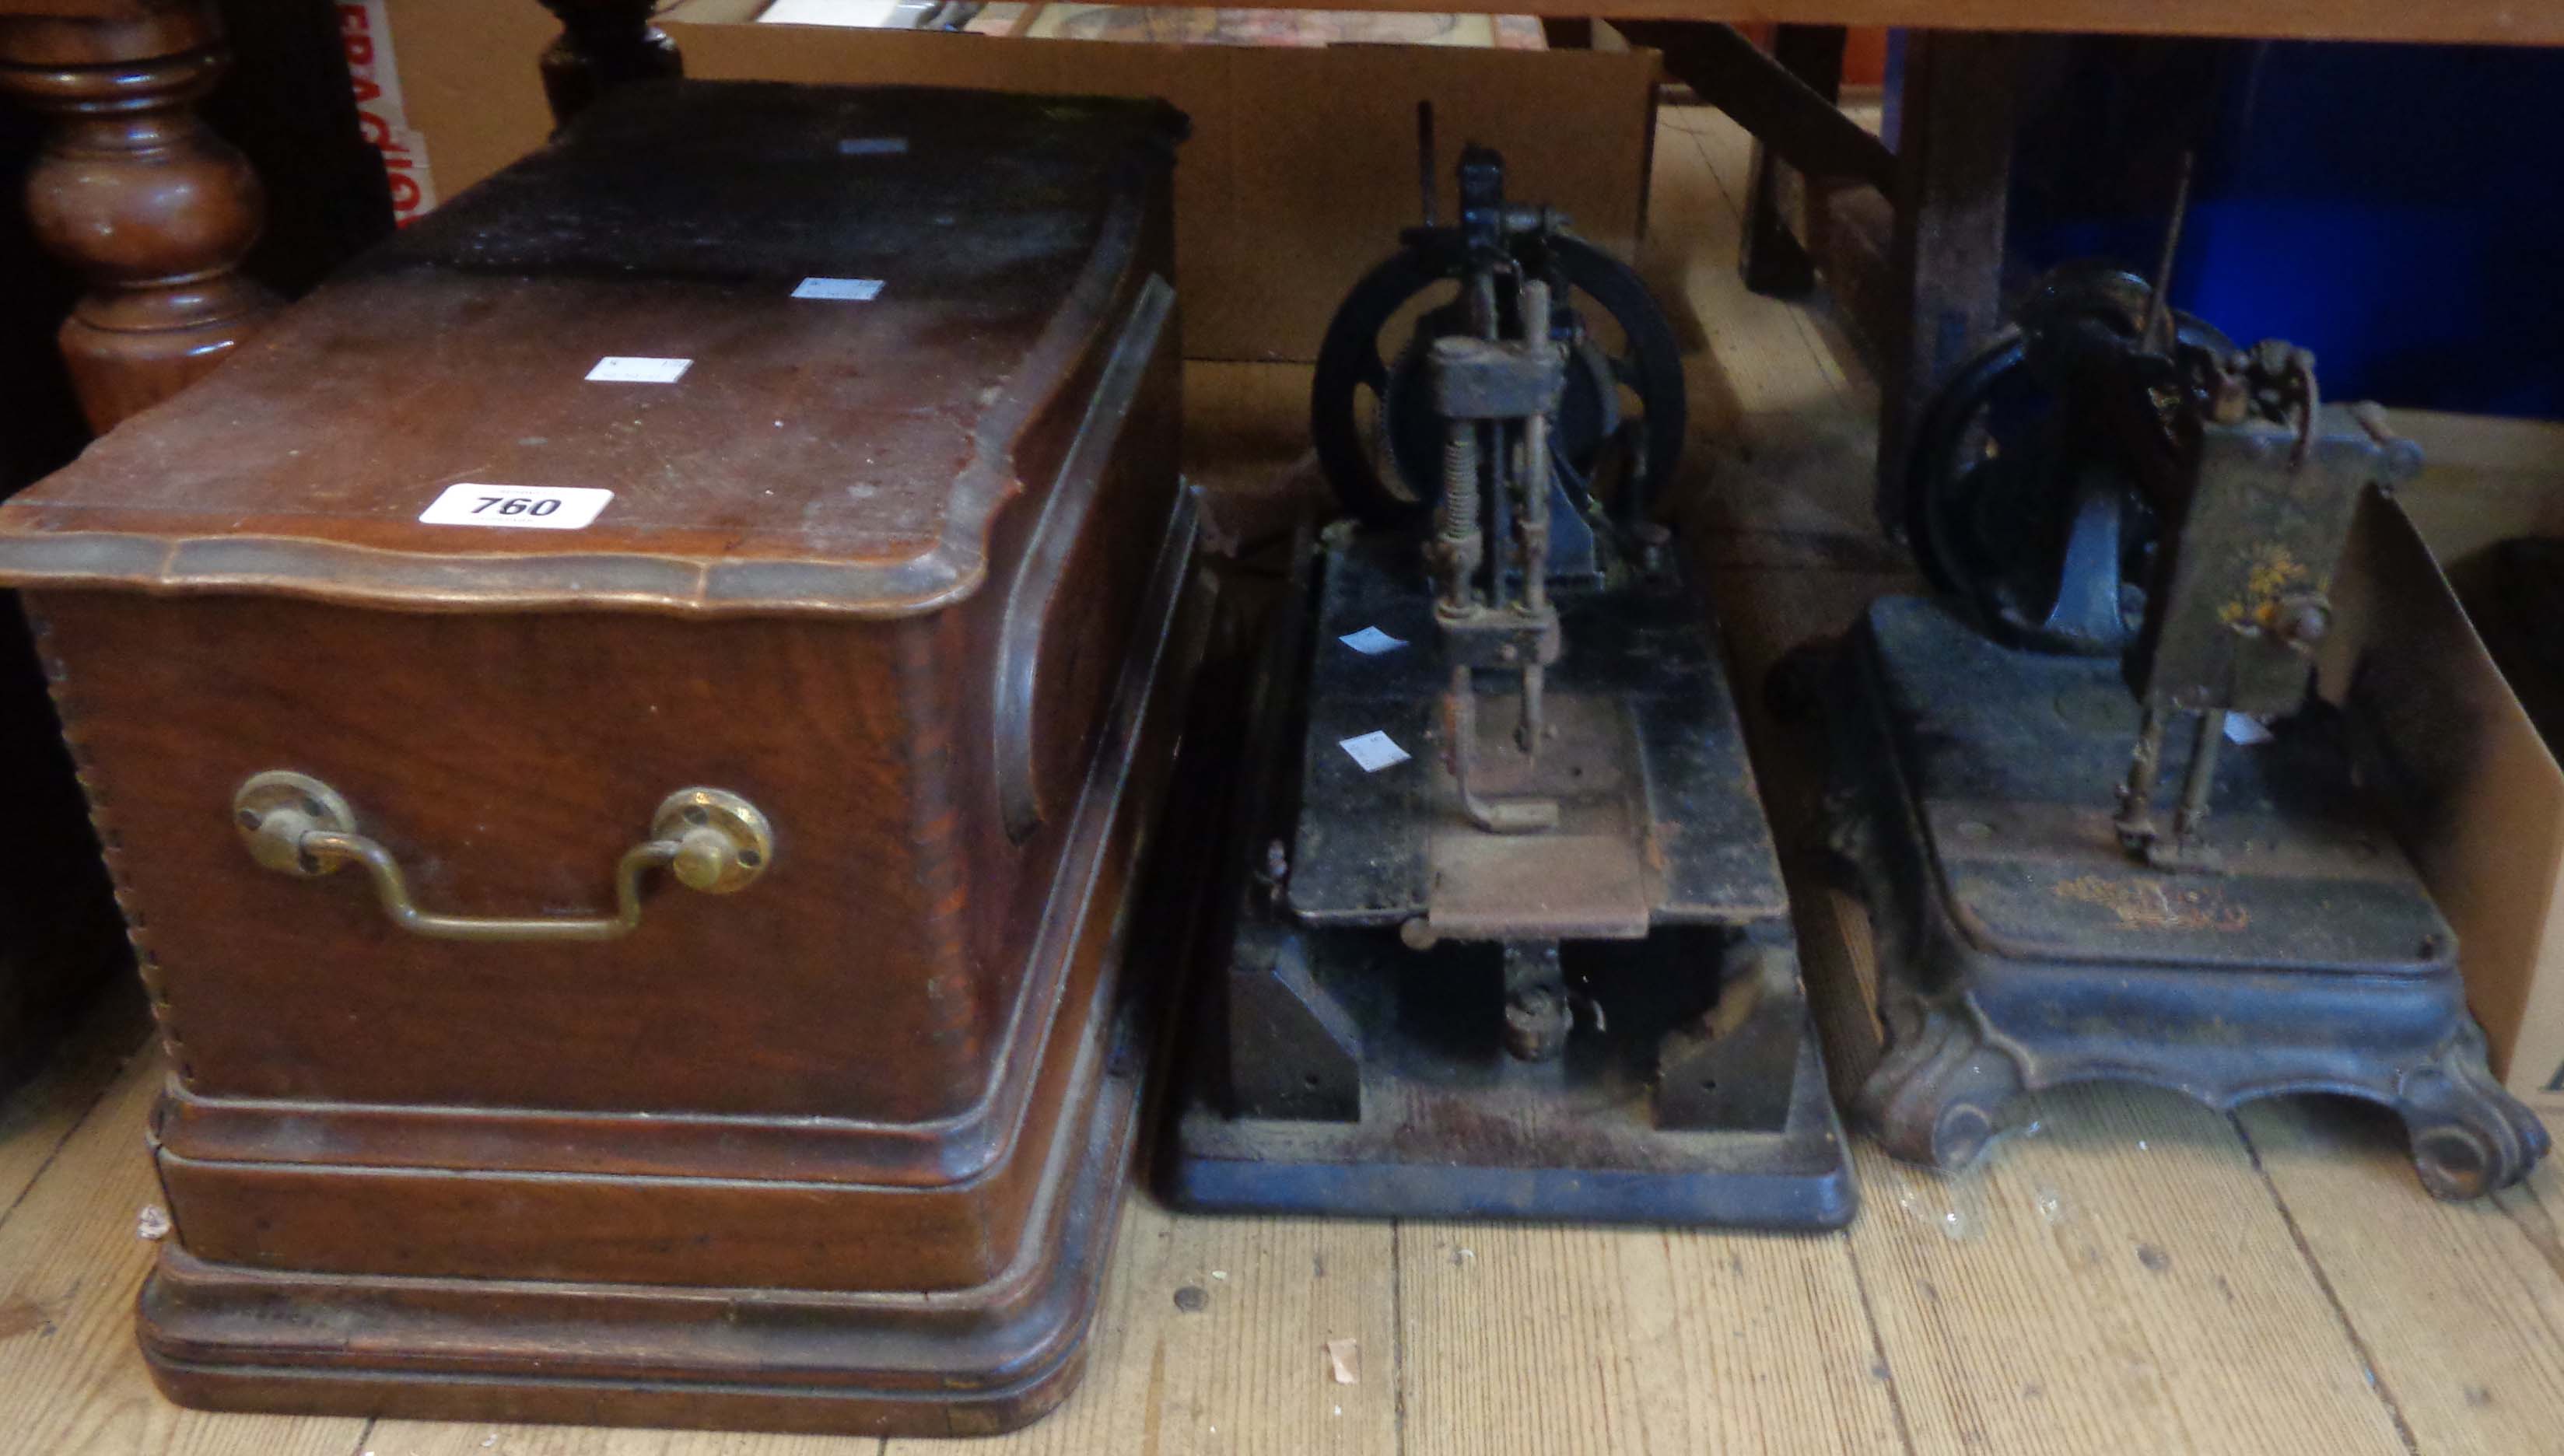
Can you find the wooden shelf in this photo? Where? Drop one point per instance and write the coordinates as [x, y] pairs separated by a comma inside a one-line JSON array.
[[2489, 22]]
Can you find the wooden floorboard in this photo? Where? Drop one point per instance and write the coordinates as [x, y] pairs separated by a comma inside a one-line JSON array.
[[2118, 1279], [71, 1380], [1539, 1340], [2131, 1274], [1215, 1338], [1779, 470], [40, 1115], [2458, 1306]]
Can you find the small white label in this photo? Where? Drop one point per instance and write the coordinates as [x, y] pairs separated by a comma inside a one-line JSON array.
[[1371, 642], [2246, 731], [524, 507], [873, 146], [860, 290], [638, 370], [1374, 750]]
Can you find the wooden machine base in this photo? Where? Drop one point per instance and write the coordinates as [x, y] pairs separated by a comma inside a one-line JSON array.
[[973, 1361], [2021, 948]]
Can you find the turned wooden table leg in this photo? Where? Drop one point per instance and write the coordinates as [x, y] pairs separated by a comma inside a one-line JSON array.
[[138, 195], [1952, 194], [602, 45]]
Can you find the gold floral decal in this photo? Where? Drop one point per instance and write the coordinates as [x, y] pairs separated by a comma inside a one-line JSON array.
[[2272, 576], [2148, 905]]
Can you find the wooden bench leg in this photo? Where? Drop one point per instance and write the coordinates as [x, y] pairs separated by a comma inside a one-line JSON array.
[[134, 190], [604, 44], [1953, 182], [1774, 263]]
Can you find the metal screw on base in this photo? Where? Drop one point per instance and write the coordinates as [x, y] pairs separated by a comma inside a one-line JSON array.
[[1537, 1015]]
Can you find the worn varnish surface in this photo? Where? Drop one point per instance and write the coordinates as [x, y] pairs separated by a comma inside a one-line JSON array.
[[2273, 1284], [924, 811], [832, 455]]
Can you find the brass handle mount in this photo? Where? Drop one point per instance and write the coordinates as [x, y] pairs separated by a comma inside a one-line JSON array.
[[709, 839]]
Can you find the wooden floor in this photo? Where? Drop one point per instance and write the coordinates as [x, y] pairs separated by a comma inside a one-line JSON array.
[[2130, 1274]]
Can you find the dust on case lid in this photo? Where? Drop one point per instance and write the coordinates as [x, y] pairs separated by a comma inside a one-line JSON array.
[[840, 447]]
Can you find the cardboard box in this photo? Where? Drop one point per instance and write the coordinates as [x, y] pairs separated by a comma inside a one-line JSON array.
[[1300, 173], [2474, 790]]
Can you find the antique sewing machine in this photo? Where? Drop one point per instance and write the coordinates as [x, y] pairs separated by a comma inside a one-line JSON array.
[[1507, 931], [2104, 826]]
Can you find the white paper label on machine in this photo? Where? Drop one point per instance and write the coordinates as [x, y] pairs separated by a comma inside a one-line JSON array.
[[859, 289], [522, 508], [1374, 750], [638, 370]]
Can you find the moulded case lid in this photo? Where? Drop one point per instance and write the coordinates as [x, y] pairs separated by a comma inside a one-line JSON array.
[[878, 293]]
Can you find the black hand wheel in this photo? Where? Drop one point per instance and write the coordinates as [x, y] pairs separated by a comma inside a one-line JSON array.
[[2007, 519], [1398, 491]]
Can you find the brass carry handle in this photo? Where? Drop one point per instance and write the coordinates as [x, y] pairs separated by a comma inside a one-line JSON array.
[[711, 840]]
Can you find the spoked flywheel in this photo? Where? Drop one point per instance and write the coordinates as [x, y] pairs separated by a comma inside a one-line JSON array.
[[2037, 538], [1620, 427]]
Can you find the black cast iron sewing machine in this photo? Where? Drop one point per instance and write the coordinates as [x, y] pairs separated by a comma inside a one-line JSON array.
[[2104, 828], [1508, 935]]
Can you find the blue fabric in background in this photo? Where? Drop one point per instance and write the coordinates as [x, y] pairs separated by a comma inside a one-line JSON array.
[[2396, 209]]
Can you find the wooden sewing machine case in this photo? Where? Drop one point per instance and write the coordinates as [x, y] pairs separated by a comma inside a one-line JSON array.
[[880, 638]]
